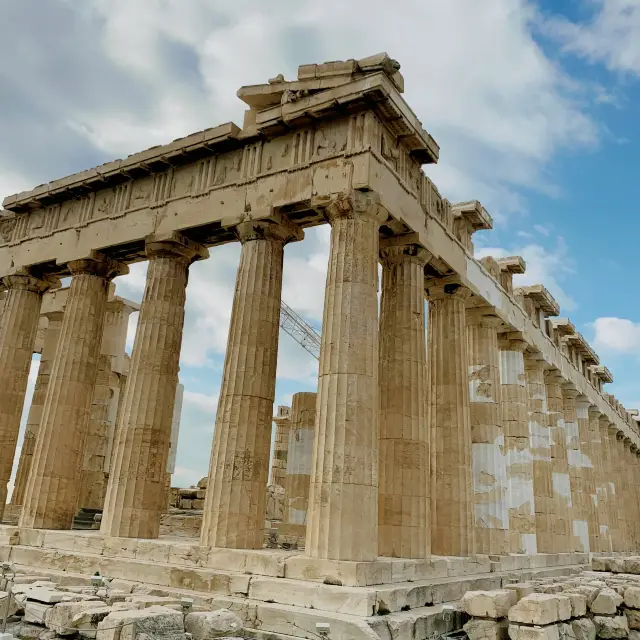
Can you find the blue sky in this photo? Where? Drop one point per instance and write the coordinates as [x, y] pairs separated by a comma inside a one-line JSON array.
[[535, 107]]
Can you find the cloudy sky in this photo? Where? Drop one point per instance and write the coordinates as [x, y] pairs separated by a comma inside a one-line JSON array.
[[535, 106]]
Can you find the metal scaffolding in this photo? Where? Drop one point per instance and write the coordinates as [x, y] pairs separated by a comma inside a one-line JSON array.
[[300, 330]]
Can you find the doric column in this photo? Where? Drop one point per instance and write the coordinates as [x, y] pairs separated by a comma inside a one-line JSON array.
[[18, 327], [136, 490], [490, 492], [452, 531], [297, 479], [560, 479], [636, 470], [542, 463], [54, 324], [403, 494], [343, 501], [104, 406], [280, 449], [607, 439], [601, 482], [53, 487], [616, 449], [235, 504], [517, 447], [585, 478], [631, 498]]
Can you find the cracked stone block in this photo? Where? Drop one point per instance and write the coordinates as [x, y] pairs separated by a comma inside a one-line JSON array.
[[541, 608], [488, 604], [65, 616], [160, 623], [521, 632], [578, 604], [583, 629], [606, 602], [521, 589], [220, 623], [633, 618], [632, 597], [611, 626], [632, 565]]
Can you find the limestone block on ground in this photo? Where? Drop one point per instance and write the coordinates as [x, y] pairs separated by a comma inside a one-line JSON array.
[[34, 612], [488, 604], [634, 635], [220, 623], [601, 564], [160, 623], [606, 602], [147, 590], [632, 597], [583, 629], [611, 626], [632, 565], [633, 618], [478, 629], [521, 589], [578, 604], [522, 632], [46, 595], [541, 608], [65, 616], [617, 565], [28, 631], [149, 601]]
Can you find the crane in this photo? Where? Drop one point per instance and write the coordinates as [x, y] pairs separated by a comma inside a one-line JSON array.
[[300, 330]]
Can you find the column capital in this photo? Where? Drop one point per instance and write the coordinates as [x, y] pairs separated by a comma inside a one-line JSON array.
[[449, 288], [354, 204], [276, 228], [174, 245], [484, 316], [509, 342], [97, 264], [620, 435], [28, 282], [569, 391], [553, 376], [594, 412], [399, 253], [53, 316]]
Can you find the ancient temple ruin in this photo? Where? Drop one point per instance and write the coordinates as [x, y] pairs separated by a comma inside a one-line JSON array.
[[483, 447]]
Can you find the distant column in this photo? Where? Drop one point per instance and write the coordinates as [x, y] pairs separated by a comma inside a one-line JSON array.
[[518, 446], [601, 483], [452, 531], [616, 450], [235, 504], [343, 502], [490, 491], [587, 482], [297, 479], [280, 449], [560, 479], [542, 463], [403, 494], [54, 482], [37, 405], [136, 495], [607, 438], [631, 493], [18, 328]]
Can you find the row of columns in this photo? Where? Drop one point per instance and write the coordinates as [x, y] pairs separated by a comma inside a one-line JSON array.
[[466, 444]]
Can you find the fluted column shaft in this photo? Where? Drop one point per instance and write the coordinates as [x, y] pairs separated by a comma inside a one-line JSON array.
[[452, 530], [235, 504], [490, 491], [601, 483], [630, 497], [560, 479], [343, 501], [403, 494], [18, 328], [542, 463], [297, 479], [280, 451], [607, 439], [586, 481], [636, 484], [616, 449], [136, 489], [37, 405], [53, 487], [579, 525], [518, 447]]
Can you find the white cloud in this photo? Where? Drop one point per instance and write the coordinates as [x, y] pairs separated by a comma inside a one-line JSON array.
[[546, 266], [205, 403], [611, 37], [617, 335]]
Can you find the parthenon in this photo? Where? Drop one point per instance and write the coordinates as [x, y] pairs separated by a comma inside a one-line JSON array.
[[473, 439]]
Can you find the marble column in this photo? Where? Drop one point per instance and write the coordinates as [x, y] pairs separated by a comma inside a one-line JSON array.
[[18, 327], [104, 406], [636, 468], [235, 504], [490, 493], [586, 477], [452, 530], [136, 494], [343, 501], [54, 324], [297, 479], [542, 463], [610, 483], [615, 451], [280, 450], [601, 482], [561, 524], [53, 487], [631, 500], [403, 493], [518, 446]]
